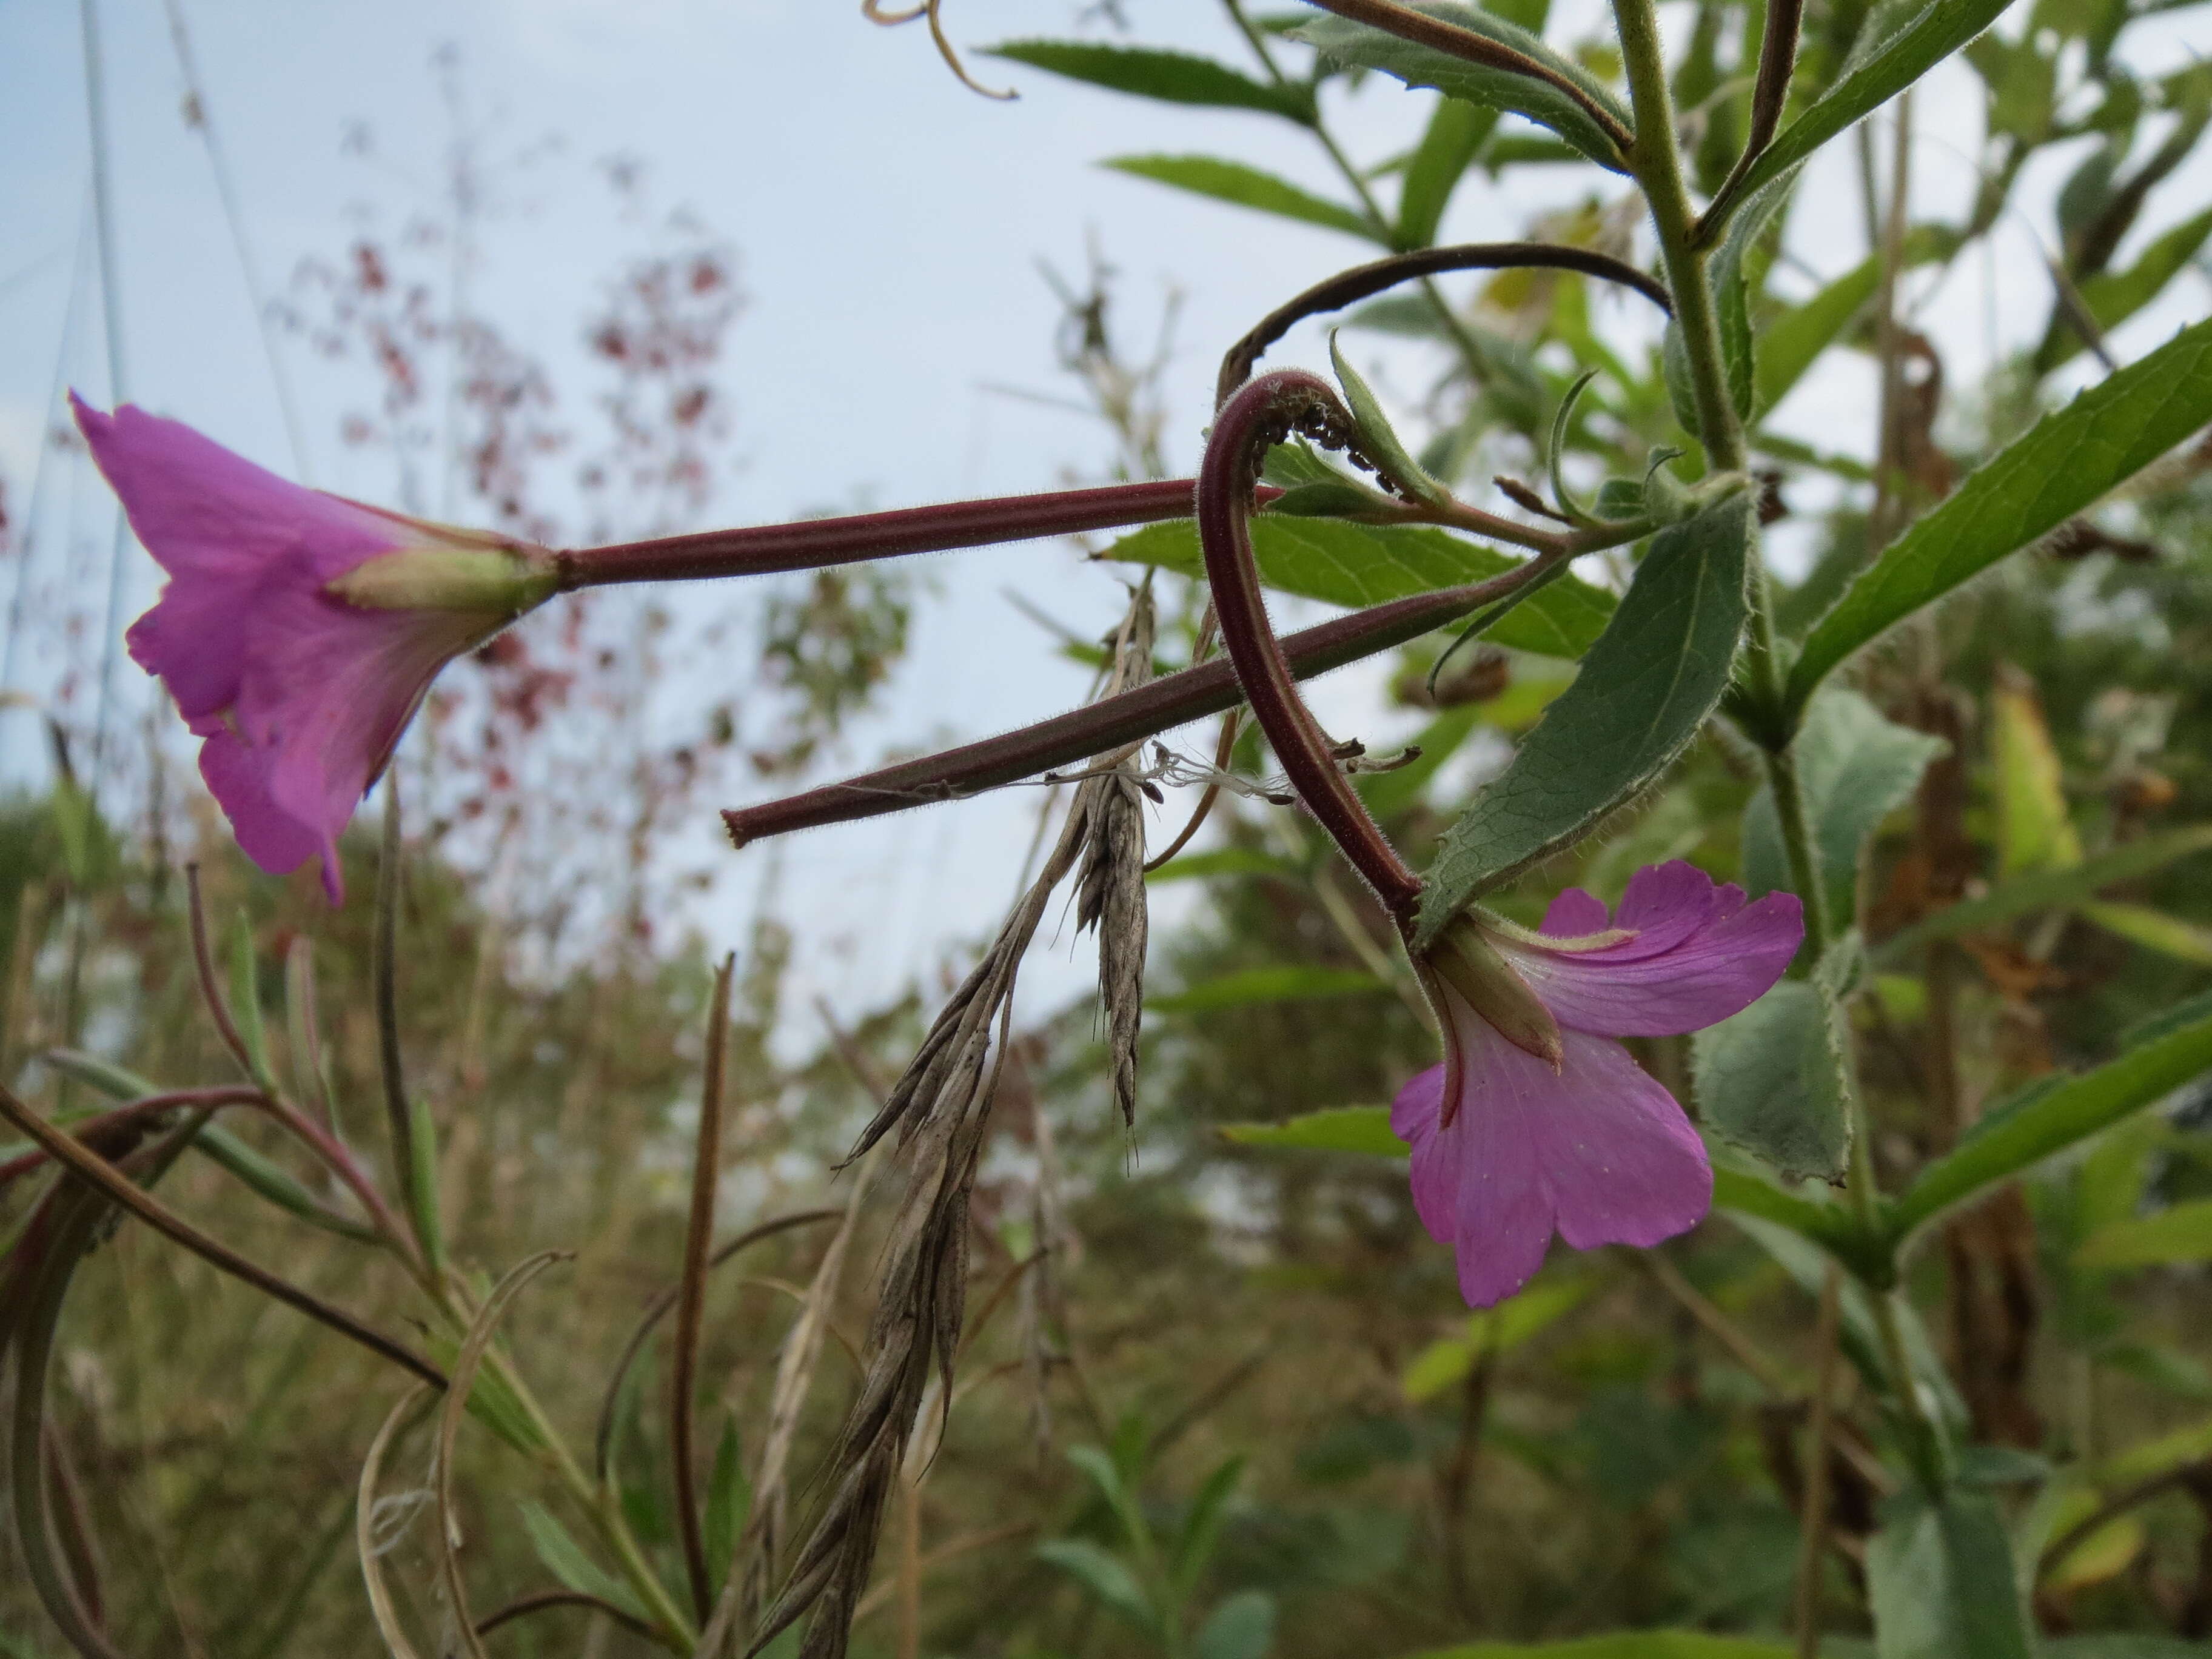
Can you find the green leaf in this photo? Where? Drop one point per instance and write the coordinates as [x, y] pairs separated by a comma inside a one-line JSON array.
[[1234, 182], [2051, 890], [1758, 1198], [1387, 793], [1287, 983], [424, 1206], [1335, 1129], [1114, 1472], [2055, 1114], [2160, 1367], [1242, 1627], [2154, 930], [1494, 1330], [274, 1182], [2113, 297], [1623, 1645], [1359, 565], [565, 1560], [1899, 44], [246, 1001], [1791, 344], [1770, 1081], [2069, 460], [1642, 692], [729, 1498], [1940, 1582], [1226, 861], [1173, 77], [1104, 1576], [2183, 1233], [1455, 132], [1856, 768], [1859, 1333], [1201, 1527], [1358, 45], [1378, 439], [114, 1081]]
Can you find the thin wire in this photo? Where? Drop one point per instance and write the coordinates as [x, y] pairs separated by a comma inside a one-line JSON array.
[[72, 320], [103, 199], [201, 116]]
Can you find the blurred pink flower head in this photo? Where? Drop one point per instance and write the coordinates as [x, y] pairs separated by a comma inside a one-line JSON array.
[[1538, 1121], [298, 631]]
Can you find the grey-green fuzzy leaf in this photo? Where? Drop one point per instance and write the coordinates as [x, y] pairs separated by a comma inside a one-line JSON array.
[[1768, 1082], [1492, 89], [1644, 691]]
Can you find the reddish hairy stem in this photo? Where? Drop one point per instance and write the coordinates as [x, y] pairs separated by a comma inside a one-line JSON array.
[[1362, 282], [691, 1299], [1172, 700], [1777, 64], [1262, 413], [204, 966], [328, 1150], [101, 1125], [818, 543], [96, 1172]]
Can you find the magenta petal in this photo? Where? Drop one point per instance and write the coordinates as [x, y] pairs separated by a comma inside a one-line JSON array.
[[1576, 915], [1596, 1151], [1623, 1166], [1698, 955], [298, 696]]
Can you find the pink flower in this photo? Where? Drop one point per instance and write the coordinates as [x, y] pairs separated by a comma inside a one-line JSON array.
[[1538, 1120], [298, 631]]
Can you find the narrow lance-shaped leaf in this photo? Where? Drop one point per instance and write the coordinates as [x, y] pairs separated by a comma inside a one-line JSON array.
[[1644, 691], [1359, 565], [1286, 983], [2113, 297], [1901, 44], [1791, 344], [2154, 930], [1361, 1129], [1447, 149], [1174, 77], [1242, 186], [1545, 104], [2070, 459], [2054, 1114], [2051, 890]]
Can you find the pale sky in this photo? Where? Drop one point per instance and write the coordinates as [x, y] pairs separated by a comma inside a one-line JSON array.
[[887, 223]]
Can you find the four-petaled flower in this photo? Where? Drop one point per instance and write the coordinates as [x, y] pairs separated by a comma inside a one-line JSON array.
[[1538, 1120], [298, 631]]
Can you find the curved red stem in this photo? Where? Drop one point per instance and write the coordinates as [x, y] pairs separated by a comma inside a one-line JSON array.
[[1269, 410]]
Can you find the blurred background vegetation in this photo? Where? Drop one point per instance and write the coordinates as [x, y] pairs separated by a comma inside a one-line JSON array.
[[1216, 1398]]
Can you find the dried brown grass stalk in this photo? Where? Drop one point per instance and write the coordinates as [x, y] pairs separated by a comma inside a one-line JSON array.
[[1110, 890], [941, 1108]]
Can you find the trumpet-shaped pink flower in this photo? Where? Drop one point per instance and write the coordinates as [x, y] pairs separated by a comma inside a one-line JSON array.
[[1539, 1121], [298, 631]]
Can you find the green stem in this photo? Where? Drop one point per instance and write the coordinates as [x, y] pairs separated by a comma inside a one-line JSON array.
[[1658, 168], [1657, 165]]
